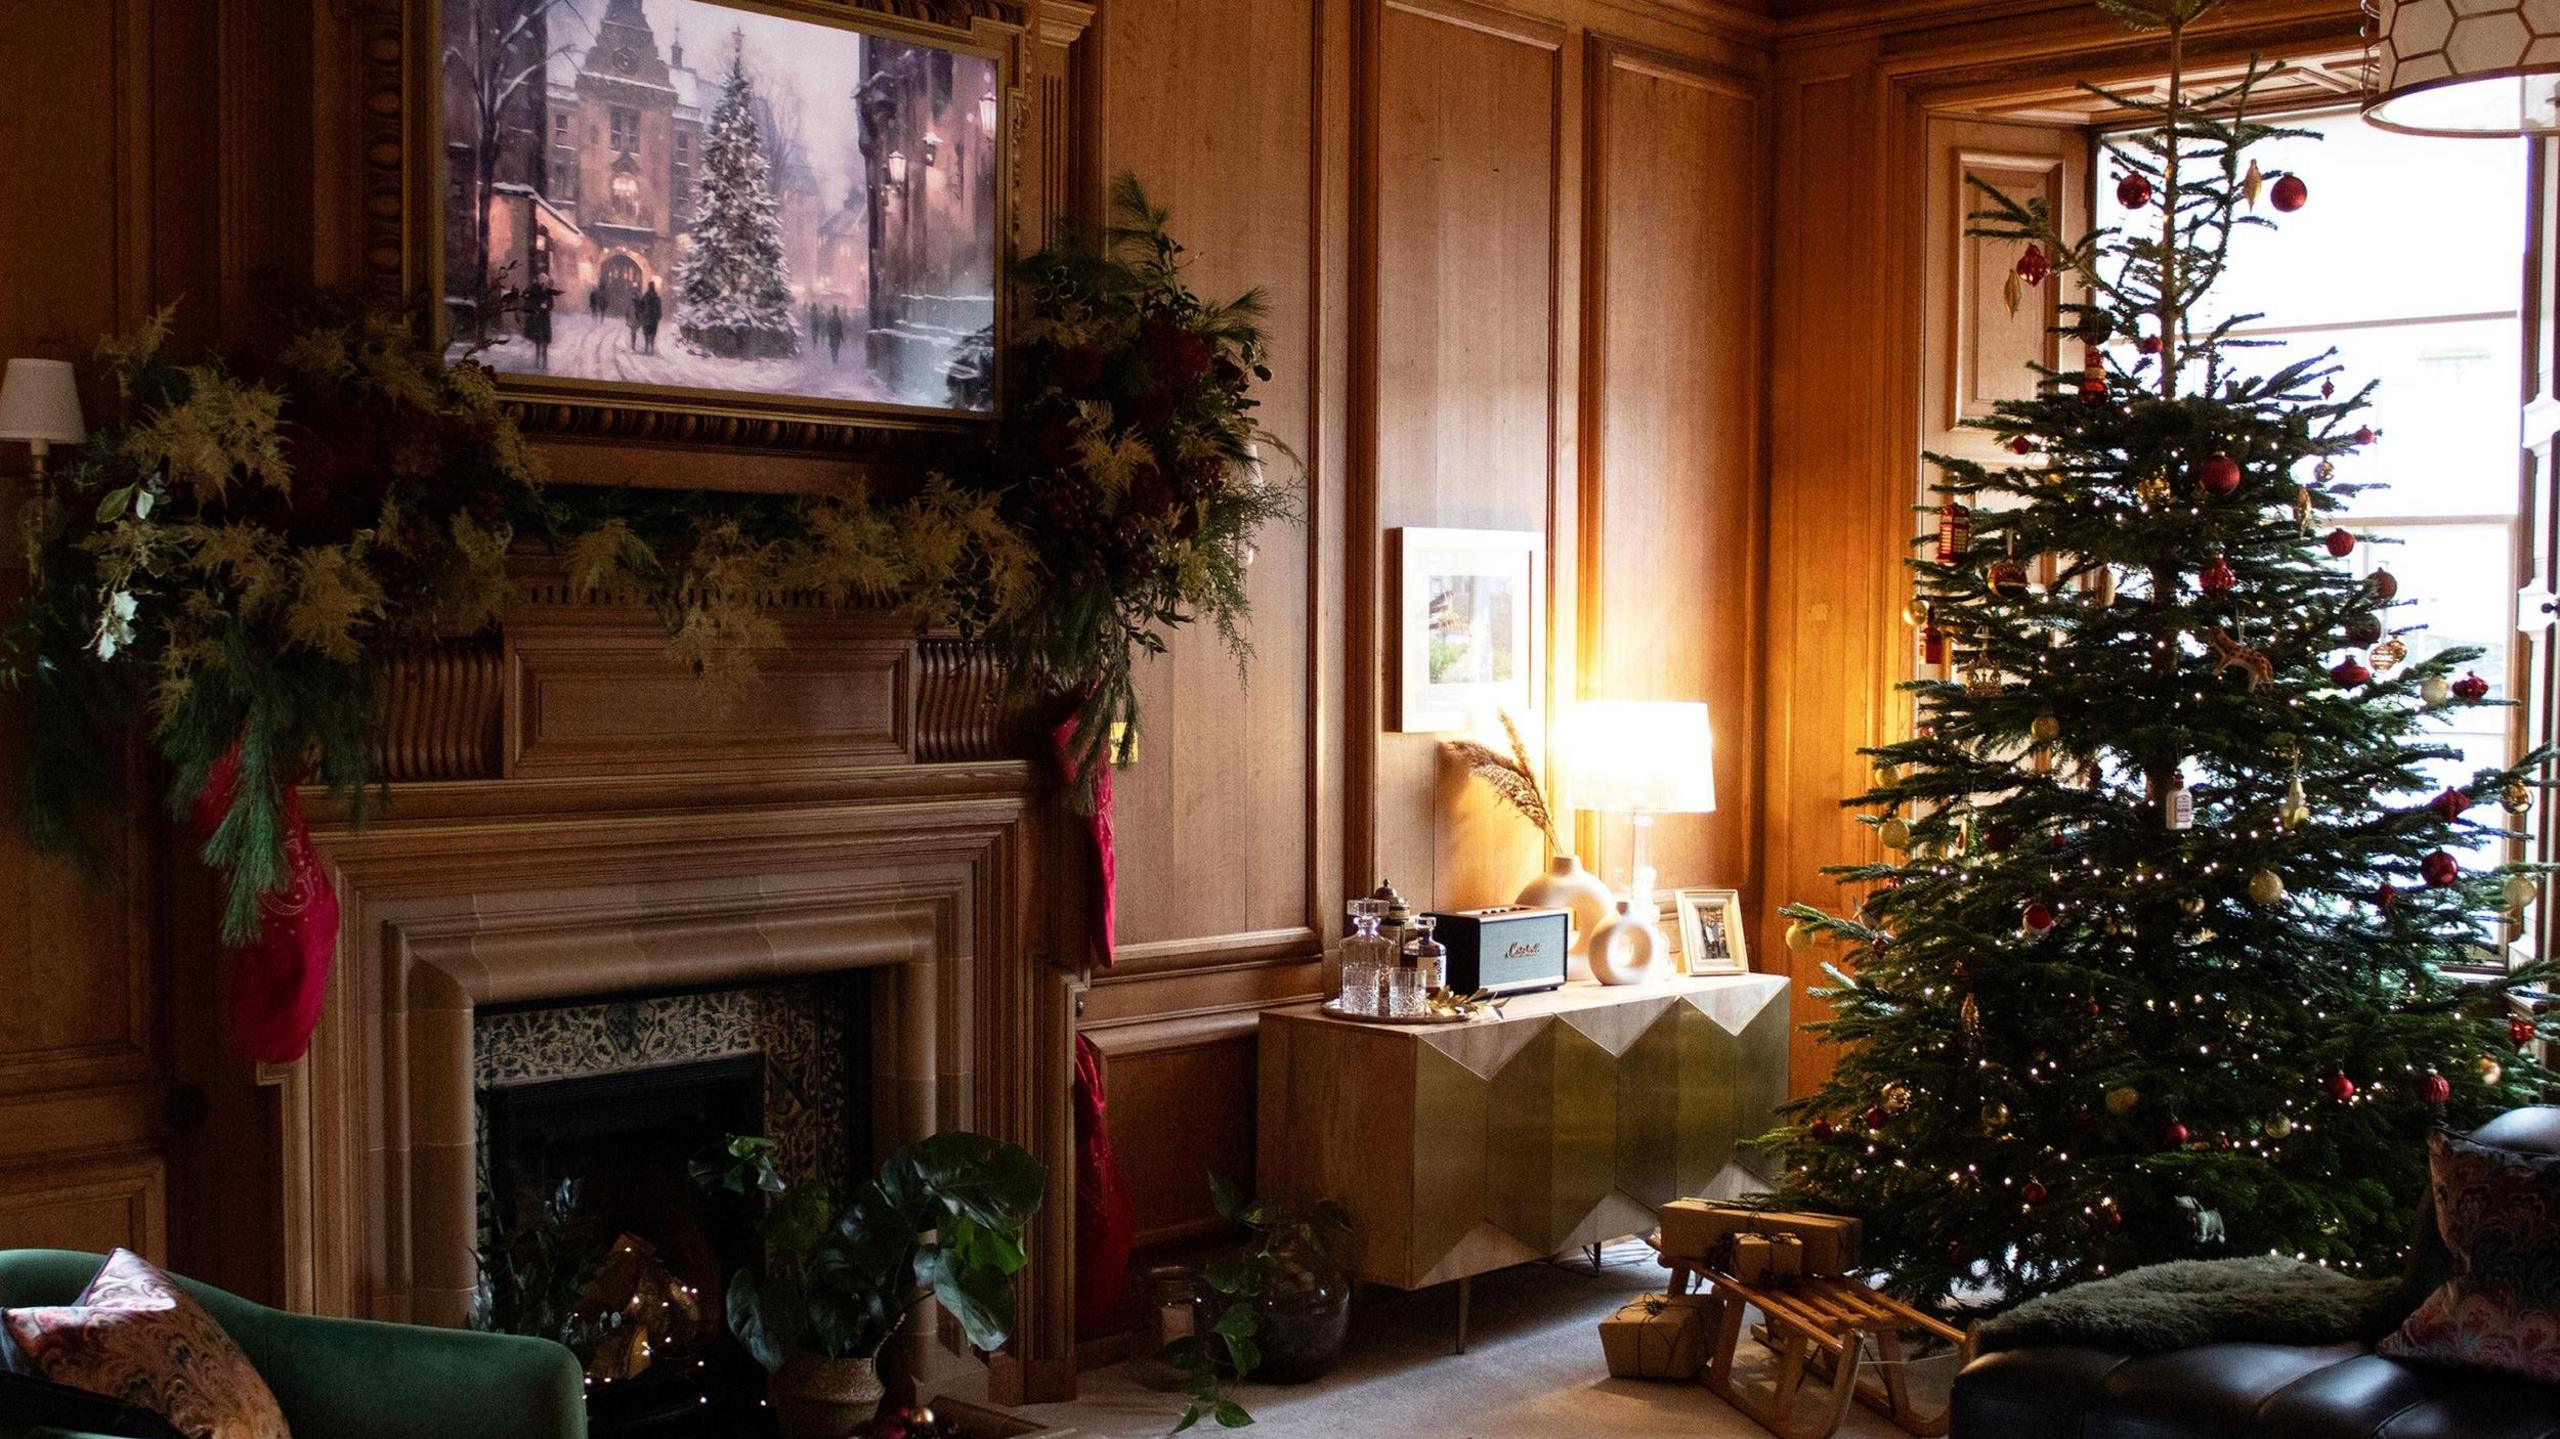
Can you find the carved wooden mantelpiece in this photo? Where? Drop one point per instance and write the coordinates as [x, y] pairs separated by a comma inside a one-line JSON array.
[[574, 816]]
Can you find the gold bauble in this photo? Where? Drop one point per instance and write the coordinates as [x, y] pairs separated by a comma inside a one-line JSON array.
[[1896, 834], [1897, 1098], [2491, 1072], [1995, 1115], [2280, 1126], [2435, 692], [1799, 937], [2266, 887], [1888, 775], [2521, 893], [2192, 905], [2122, 1100], [2516, 798], [2046, 728]]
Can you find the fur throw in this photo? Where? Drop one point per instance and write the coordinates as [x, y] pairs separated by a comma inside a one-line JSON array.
[[2262, 1300]]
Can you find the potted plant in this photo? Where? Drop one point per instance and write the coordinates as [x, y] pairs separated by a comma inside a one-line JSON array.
[[1282, 1302], [943, 1218]]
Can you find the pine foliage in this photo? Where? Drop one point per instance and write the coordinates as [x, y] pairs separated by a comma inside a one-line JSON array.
[[2080, 1039]]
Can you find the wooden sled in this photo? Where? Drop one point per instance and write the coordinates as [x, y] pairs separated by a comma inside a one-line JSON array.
[[1819, 1328]]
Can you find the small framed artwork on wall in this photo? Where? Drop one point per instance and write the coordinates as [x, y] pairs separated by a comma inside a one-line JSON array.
[[1711, 938], [1470, 625]]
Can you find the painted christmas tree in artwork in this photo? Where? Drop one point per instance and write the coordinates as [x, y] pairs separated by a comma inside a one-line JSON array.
[[734, 281], [2156, 967]]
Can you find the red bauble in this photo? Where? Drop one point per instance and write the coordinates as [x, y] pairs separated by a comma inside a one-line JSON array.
[[2434, 1088], [2149, 345], [2094, 1010], [2034, 265], [2349, 673], [2219, 475], [1819, 1130], [2115, 1219], [2174, 1137], [2022, 446], [2217, 578], [2450, 804], [2341, 544], [2386, 585], [2521, 1030], [2038, 918], [2440, 870], [2366, 436], [1874, 1117], [2033, 1192], [2341, 1088], [2386, 897], [2289, 194], [2133, 191], [2471, 689]]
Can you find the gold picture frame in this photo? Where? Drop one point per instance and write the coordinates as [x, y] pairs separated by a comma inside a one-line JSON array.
[[1712, 940]]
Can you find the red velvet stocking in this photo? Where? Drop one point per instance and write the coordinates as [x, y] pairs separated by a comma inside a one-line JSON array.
[[279, 979]]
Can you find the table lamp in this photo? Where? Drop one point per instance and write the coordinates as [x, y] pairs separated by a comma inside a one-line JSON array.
[[1640, 758], [40, 404]]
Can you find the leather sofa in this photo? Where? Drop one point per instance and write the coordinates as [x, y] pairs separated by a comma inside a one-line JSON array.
[[2224, 1391], [351, 1378]]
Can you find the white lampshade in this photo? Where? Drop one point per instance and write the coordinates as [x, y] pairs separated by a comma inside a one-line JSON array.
[[40, 400], [1638, 757], [2466, 67]]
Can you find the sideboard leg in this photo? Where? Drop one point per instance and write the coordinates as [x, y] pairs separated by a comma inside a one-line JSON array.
[[1466, 1299]]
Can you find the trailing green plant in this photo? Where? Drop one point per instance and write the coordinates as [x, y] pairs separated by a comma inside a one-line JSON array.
[[1271, 1269], [943, 1218]]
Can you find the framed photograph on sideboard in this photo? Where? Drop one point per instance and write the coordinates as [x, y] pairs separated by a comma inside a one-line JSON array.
[[1469, 626], [1711, 937]]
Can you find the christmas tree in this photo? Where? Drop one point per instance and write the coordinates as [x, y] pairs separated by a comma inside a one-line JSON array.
[[2157, 965], [734, 280]]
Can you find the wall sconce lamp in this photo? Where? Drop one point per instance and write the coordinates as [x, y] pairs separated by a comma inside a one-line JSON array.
[[987, 111], [40, 404], [2460, 68], [897, 169], [932, 147]]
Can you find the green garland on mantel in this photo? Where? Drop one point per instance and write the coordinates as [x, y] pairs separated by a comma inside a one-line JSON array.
[[235, 558]]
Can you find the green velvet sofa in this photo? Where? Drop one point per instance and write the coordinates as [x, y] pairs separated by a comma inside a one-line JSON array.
[[350, 1378]]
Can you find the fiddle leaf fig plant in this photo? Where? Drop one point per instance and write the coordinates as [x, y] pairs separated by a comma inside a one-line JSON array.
[[944, 1218]]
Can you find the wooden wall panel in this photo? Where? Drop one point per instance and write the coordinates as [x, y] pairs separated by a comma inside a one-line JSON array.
[[1470, 416], [1672, 461]]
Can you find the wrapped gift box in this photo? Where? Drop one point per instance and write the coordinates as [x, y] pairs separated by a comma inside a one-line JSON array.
[[1654, 1337], [1703, 1230], [1767, 1260]]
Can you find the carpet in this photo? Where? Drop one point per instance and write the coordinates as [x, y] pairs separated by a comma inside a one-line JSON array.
[[1532, 1370]]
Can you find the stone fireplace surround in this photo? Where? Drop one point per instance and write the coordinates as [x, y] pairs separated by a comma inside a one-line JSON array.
[[551, 887]]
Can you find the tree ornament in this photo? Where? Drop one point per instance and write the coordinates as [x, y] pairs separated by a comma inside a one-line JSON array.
[[2267, 887], [2302, 507], [2115, 1218], [2341, 1088], [1933, 644], [2093, 375], [2278, 1127], [2386, 896], [2152, 489], [2217, 578], [2516, 798], [2449, 805], [2471, 689], [2522, 1030], [2433, 1088], [2036, 919], [2123, 1100], [2192, 906], [2175, 1136], [2021, 445], [2341, 543], [1896, 1096], [2491, 1072], [2440, 870], [2520, 893], [2034, 265], [1799, 936], [1969, 1014], [2367, 435], [2252, 181], [2032, 1192], [1955, 531], [1995, 1115], [2348, 673], [2219, 475], [2328, 391], [2386, 585], [2178, 807], [2007, 579], [1819, 1130], [2133, 191], [2434, 693], [2150, 345], [2045, 728], [1874, 1117], [2388, 655], [1895, 832], [2228, 653], [2289, 194], [2297, 805], [2364, 629]]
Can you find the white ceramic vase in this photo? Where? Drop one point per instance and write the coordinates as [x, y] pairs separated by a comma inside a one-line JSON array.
[[1629, 948], [815, 1398], [1568, 886]]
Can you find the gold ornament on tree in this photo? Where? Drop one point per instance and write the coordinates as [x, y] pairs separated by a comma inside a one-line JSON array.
[[2123, 1100], [2267, 887]]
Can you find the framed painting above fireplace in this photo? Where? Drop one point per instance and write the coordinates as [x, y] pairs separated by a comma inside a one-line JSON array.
[[725, 209]]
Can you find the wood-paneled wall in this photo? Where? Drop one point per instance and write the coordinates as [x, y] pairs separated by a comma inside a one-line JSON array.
[[1517, 253]]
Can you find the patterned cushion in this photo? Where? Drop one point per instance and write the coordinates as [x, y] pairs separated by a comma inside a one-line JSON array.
[[2499, 1212], [136, 1336]]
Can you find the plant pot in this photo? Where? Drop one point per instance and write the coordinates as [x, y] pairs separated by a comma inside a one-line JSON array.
[[1301, 1342], [1568, 886], [815, 1398]]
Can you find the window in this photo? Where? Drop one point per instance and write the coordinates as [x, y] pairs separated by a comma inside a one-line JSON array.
[[626, 130], [2409, 262]]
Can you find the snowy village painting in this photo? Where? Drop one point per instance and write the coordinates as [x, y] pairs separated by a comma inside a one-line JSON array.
[[699, 197]]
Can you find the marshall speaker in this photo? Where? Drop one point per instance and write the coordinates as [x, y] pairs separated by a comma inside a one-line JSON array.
[[1510, 949]]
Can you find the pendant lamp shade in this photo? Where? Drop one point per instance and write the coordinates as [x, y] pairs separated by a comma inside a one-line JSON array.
[[2465, 67]]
